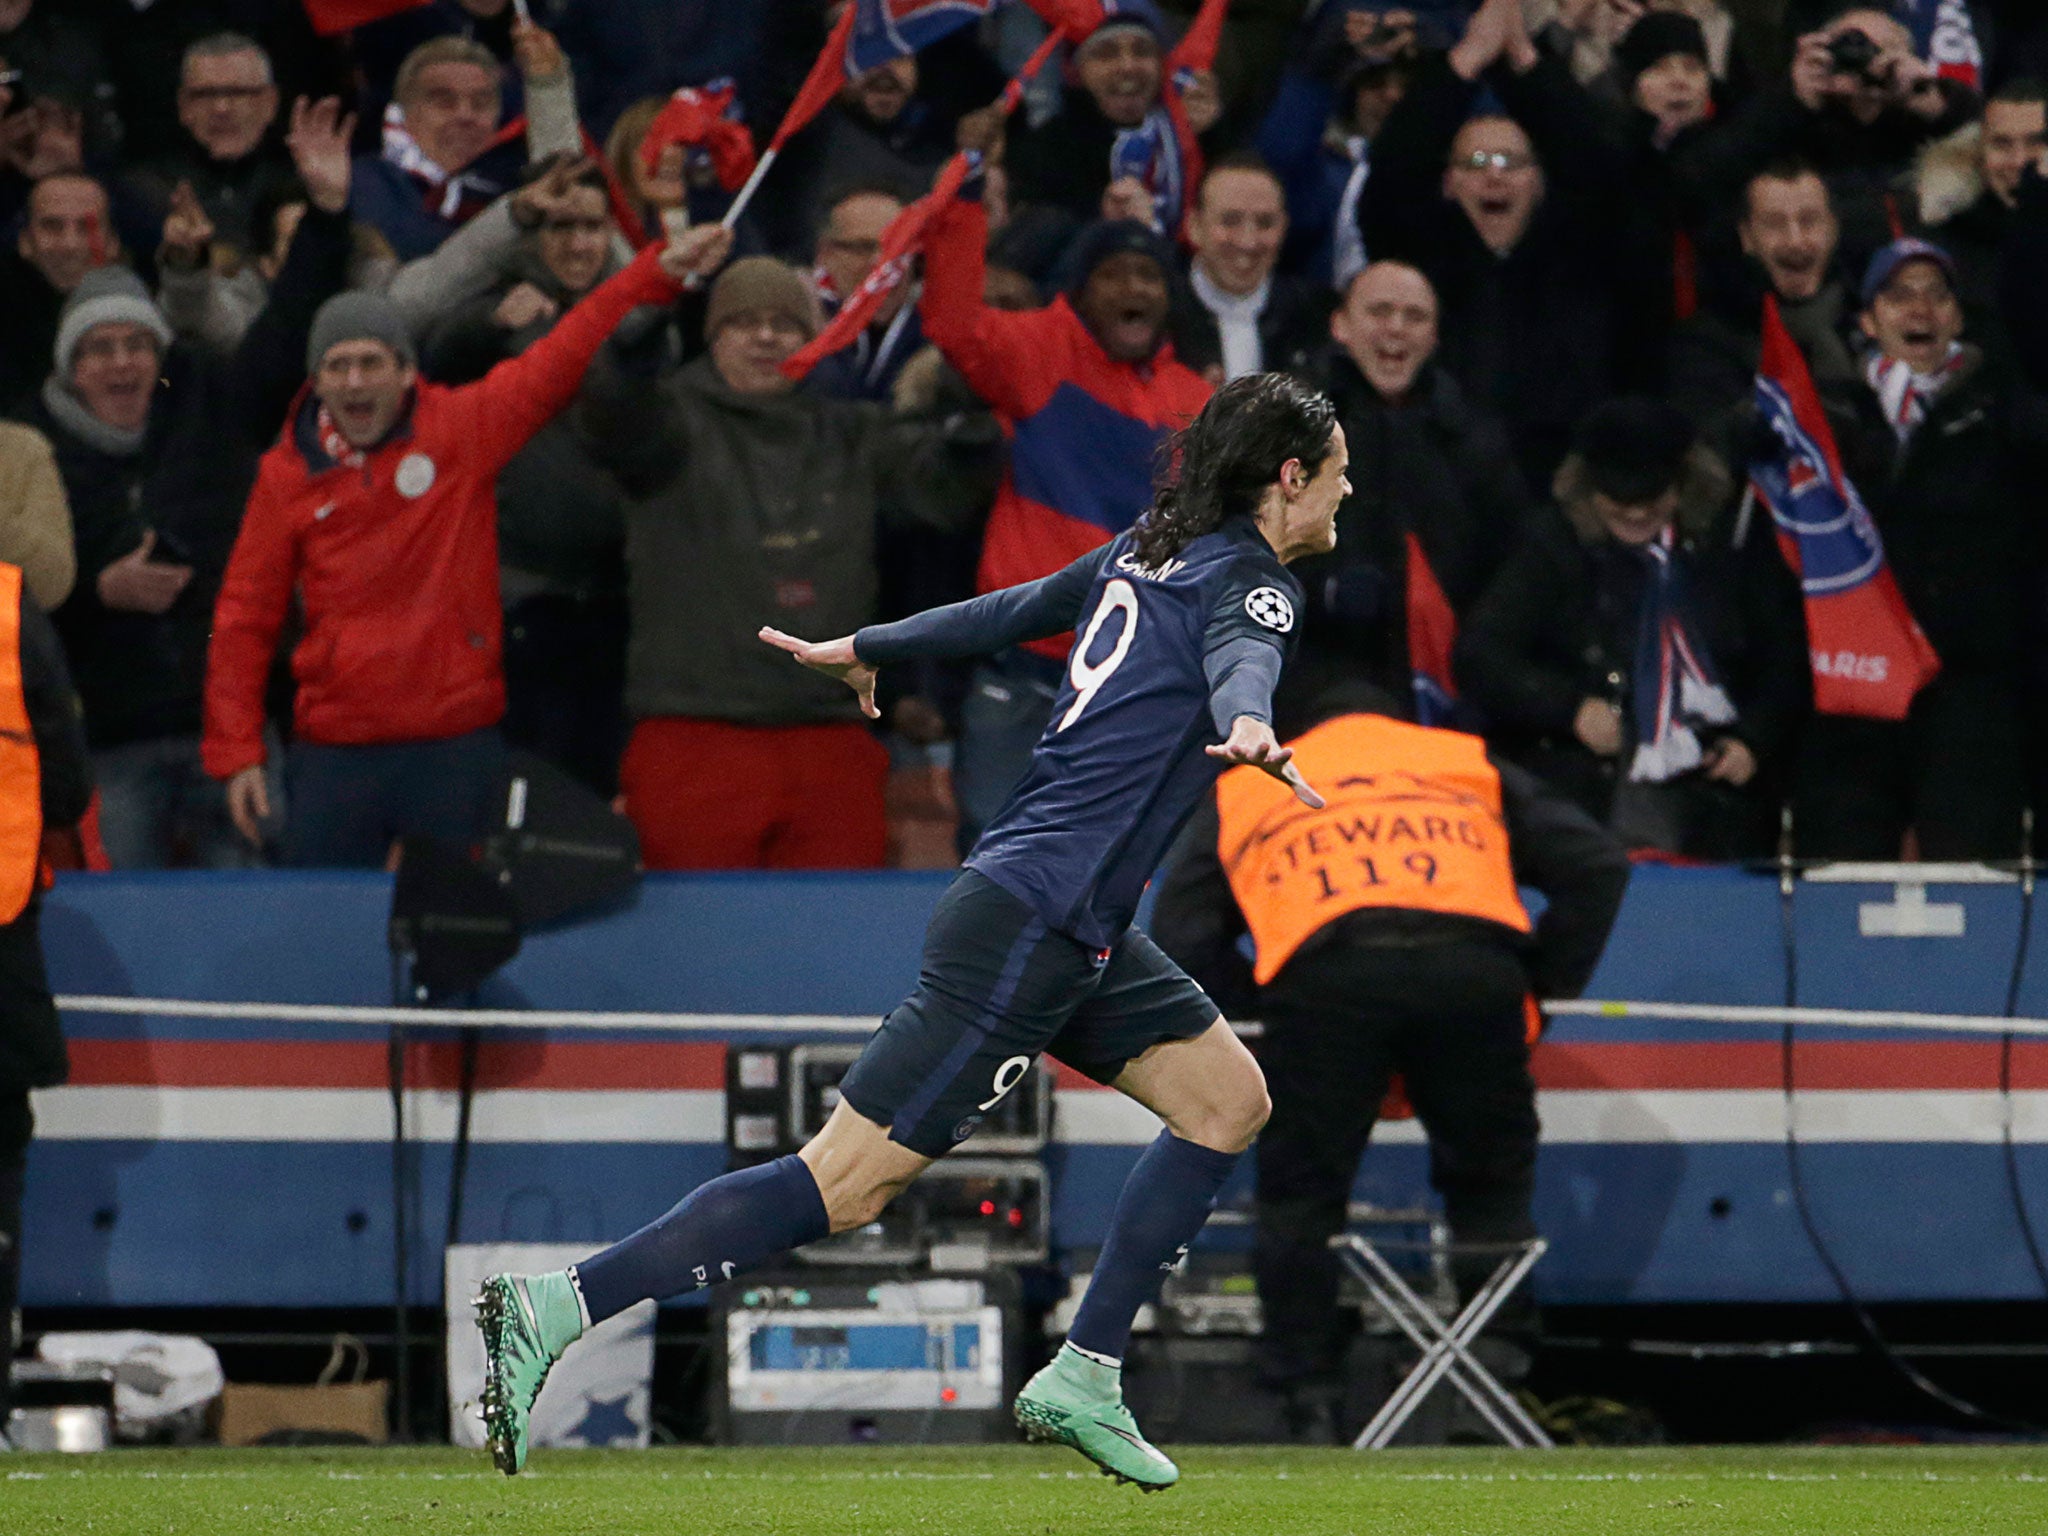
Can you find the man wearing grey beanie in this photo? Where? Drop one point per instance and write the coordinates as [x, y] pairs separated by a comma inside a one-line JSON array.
[[111, 340], [377, 511], [156, 443]]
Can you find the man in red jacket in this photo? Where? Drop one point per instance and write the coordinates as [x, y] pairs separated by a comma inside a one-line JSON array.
[[378, 509]]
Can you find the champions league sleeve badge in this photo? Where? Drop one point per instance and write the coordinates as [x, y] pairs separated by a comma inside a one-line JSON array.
[[1270, 608]]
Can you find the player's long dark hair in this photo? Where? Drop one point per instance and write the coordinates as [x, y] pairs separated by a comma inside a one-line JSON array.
[[1219, 465]]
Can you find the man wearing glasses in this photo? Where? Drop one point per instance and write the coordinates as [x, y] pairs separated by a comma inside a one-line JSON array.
[[227, 107], [849, 248], [1521, 222]]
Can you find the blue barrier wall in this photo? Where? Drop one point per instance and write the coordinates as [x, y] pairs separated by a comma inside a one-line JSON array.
[[213, 1162]]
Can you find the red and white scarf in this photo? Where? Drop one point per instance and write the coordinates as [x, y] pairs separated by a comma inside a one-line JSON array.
[[444, 194], [1905, 394], [333, 444]]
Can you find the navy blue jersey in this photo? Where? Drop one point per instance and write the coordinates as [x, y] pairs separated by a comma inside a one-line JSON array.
[[1122, 764]]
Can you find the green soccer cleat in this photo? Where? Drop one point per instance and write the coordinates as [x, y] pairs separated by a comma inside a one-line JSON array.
[[1077, 1401], [527, 1322]]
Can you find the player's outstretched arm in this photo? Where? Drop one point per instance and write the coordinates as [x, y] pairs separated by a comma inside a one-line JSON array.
[[983, 625], [1252, 742], [834, 658]]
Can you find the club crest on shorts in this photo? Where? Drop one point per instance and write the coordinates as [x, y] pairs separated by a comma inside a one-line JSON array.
[[415, 476], [1269, 607]]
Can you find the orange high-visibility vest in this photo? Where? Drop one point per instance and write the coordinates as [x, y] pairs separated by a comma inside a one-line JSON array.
[[1413, 822], [21, 780]]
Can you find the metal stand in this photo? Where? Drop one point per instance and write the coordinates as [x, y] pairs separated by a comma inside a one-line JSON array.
[[1446, 1348]]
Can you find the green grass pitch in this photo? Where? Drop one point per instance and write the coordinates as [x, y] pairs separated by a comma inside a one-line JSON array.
[[1029, 1491]]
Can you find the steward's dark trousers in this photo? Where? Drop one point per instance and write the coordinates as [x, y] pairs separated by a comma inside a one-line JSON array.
[[1340, 1020]]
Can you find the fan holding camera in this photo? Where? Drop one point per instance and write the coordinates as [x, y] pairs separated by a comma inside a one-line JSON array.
[[1862, 63], [1857, 105]]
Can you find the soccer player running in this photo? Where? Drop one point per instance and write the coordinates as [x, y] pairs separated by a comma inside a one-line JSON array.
[[1184, 621]]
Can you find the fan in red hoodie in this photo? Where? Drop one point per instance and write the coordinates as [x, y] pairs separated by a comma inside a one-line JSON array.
[[377, 509], [1086, 389]]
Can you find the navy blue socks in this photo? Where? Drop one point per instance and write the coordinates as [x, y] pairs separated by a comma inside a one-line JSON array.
[[744, 1219], [721, 1228], [1162, 1206]]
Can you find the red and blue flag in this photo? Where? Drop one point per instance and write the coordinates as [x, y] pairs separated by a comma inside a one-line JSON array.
[[870, 33], [1869, 655], [889, 29], [1945, 35], [903, 240], [1432, 638]]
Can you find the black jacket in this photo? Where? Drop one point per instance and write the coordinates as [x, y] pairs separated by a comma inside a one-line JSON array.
[[229, 191], [1959, 507], [1433, 464], [1568, 317], [28, 330], [1294, 327], [1558, 626], [31, 1042], [2023, 295], [1063, 162], [1975, 237], [1553, 845], [141, 675]]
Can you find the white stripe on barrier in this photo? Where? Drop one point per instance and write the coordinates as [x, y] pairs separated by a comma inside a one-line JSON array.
[[1662, 1116], [1829, 1018], [490, 1018], [840, 1024], [1084, 1117], [500, 1116], [1908, 874]]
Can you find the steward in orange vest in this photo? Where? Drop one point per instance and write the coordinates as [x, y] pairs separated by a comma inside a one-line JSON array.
[[1423, 833], [45, 780], [1387, 935]]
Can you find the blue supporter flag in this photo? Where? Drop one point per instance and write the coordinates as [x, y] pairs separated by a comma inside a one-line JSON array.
[[890, 29], [871, 33]]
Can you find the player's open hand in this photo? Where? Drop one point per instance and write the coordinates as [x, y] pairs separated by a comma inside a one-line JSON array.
[[1252, 742], [834, 658]]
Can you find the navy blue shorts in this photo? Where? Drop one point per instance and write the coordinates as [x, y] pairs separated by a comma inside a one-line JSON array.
[[996, 988]]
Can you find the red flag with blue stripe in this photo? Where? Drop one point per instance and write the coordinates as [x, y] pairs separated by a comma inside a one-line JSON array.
[[1869, 655]]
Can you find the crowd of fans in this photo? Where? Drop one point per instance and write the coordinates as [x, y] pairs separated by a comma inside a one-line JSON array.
[[379, 401]]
